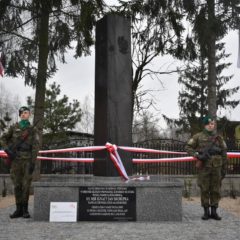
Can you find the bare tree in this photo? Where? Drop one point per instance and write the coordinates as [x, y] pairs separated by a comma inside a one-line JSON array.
[[9, 106], [145, 128], [87, 121], [156, 31]]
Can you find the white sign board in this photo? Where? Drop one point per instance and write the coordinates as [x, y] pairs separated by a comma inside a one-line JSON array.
[[63, 212]]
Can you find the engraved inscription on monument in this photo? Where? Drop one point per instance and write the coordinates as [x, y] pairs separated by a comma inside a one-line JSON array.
[[107, 203]]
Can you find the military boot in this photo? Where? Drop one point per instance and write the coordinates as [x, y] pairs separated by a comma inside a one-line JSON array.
[[25, 211], [206, 214], [18, 212], [214, 214]]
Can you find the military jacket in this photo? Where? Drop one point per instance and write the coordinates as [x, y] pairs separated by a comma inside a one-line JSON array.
[[202, 140], [15, 135]]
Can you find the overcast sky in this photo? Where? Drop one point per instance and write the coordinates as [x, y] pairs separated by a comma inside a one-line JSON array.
[[77, 80]]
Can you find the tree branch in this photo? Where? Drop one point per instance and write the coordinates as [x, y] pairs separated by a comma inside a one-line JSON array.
[[16, 34]]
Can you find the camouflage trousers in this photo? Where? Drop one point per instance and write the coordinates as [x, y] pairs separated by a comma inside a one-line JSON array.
[[21, 179], [209, 181]]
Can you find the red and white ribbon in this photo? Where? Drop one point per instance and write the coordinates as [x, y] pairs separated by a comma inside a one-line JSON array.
[[86, 160], [76, 149], [107, 146], [162, 160], [233, 154], [114, 156], [142, 178], [147, 150]]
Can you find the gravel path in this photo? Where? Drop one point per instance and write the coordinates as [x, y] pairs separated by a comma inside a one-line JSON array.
[[191, 228]]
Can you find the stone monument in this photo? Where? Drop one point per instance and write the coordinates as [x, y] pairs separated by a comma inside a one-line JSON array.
[[113, 91], [104, 196]]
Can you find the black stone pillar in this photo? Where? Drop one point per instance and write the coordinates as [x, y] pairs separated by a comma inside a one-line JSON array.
[[113, 92]]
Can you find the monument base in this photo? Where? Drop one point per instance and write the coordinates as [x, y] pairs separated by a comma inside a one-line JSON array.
[[110, 198]]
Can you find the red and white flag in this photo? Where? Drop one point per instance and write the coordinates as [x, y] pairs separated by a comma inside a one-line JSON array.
[[1, 68]]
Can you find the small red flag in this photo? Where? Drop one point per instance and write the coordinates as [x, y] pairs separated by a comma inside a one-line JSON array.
[[1, 68]]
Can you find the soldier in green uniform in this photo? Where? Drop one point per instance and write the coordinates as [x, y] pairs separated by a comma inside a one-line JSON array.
[[210, 150], [21, 143]]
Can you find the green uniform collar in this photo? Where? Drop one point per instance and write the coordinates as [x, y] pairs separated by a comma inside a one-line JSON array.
[[210, 133], [24, 124]]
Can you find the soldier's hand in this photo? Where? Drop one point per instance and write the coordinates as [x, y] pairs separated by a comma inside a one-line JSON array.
[[199, 164]]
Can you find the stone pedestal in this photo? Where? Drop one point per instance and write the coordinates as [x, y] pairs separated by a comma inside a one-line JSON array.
[[111, 199]]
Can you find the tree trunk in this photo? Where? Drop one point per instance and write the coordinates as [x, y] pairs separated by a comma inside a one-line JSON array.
[[212, 94], [41, 75]]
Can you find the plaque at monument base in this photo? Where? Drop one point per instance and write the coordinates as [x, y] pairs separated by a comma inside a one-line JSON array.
[[107, 203], [111, 198]]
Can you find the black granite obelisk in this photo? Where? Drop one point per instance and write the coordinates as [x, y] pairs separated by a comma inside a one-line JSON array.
[[113, 92]]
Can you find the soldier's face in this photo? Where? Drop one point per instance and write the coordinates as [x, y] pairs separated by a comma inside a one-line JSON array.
[[25, 115], [211, 126]]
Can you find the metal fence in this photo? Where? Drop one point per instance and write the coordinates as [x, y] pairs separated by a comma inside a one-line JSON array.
[[173, 168]]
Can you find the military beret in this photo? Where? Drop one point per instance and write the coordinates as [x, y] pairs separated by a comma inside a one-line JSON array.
[[207, 119], [22, 109]]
